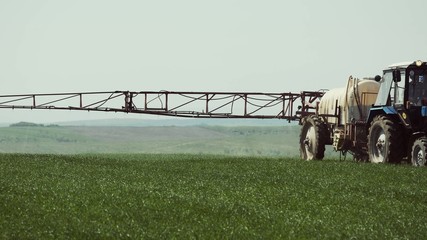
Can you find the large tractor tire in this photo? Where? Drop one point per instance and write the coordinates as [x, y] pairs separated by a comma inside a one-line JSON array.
[[313, 138], [385, 141], [419, 152]]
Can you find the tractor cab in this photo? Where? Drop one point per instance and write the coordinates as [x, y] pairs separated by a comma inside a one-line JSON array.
[[403, 92], [392, 90]]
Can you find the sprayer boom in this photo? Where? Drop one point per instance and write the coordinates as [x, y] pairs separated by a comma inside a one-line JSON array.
[[179, 104]]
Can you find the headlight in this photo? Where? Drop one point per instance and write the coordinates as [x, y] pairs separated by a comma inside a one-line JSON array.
[[418, 63]]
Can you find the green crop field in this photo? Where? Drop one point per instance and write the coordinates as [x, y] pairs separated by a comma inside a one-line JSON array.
[[249, 141], [273, 141], [152, 196]]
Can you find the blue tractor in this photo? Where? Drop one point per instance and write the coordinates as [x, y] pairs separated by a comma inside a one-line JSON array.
[[381, 119], [398, 123]]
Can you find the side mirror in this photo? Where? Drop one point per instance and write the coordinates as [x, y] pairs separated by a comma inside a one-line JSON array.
[[396, 76], [377, 78]]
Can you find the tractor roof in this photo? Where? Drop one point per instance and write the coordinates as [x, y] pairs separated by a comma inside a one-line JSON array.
[[404, 65], [399, 65]]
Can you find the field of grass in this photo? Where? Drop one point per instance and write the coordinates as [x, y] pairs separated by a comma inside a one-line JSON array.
[[237, 141], [153, 196]]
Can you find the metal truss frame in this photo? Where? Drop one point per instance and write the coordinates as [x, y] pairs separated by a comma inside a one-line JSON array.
[[178, 104]]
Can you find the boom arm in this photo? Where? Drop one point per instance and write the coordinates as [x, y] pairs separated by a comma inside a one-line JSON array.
[[179, 104]]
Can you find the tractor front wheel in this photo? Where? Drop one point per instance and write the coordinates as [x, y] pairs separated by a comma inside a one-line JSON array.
[[312, 138], [419, 152], [384, 141]]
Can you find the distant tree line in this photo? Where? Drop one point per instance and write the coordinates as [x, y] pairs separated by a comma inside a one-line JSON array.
[[30, 124]]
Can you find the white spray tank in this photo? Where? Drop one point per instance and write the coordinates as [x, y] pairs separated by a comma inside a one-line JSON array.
[[350, 105]]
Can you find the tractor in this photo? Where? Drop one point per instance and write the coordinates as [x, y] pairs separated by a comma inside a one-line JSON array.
[[381, 119]]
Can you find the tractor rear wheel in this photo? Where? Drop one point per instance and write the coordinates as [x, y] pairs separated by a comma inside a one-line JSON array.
[[419, 152], [313, 138], [384, 141]]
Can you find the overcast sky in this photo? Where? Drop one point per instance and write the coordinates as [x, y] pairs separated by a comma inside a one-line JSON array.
[[195, 45]]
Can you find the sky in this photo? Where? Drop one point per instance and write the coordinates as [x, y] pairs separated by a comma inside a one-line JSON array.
[[49, 46]]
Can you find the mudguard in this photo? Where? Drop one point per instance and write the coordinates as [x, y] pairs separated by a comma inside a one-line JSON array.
[[375, 111]]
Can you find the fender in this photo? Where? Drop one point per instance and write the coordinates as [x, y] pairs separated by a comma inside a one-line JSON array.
[[375, 111]]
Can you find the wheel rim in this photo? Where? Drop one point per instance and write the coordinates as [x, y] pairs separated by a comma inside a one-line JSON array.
[[378, 146], [418, 156], [310, 137]]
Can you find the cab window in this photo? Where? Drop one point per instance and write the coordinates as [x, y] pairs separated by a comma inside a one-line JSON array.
[[417, 88]]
